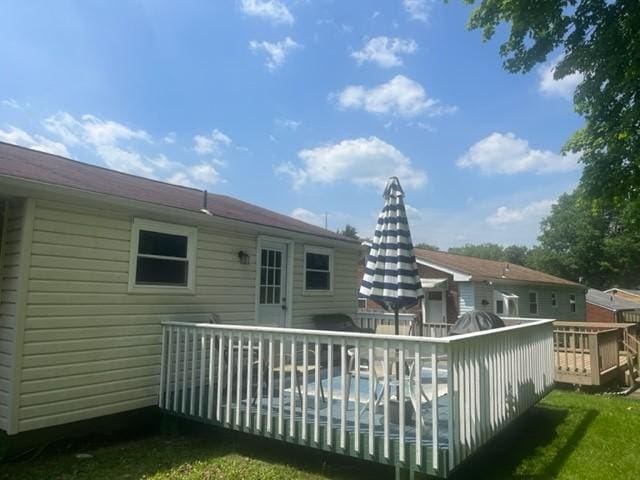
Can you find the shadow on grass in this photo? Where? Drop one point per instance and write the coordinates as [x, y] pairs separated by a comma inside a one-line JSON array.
[[534, 446], [184, 449]]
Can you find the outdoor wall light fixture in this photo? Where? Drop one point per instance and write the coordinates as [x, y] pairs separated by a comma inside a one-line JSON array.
[[244, 257]]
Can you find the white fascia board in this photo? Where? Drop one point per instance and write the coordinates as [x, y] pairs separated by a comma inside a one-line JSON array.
[[457, 276]]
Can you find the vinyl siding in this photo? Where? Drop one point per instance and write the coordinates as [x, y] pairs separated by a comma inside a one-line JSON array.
[[8, 294], [466, 297], [483, 293], [91, 348], [545, 308], [343, 299]]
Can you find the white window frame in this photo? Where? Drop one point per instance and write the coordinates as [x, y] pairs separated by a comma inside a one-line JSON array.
[[172, 229], [573, 306], [554, 300], [537, 303], [319, 251]]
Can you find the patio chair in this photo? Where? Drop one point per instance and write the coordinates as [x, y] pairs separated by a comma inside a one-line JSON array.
[[426, 392], [298, 371]]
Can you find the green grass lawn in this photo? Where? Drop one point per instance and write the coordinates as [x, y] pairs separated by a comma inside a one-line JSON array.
[[567, 436]]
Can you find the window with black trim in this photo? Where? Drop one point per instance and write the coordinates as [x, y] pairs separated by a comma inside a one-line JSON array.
[[162, 256], [533, 303], [554, 300], [572, 303], [318, 270]]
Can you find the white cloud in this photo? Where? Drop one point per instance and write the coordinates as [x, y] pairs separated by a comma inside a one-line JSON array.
[[417, 9], [273, 10], [105, 137], [202, 174], [504, 216], [36, 142], [115, 144], [213, 143], [276, 51], [501, 153], [385, 51], [362, 161], [399, 96], [308, 216], [288, 123], [11, 103], [563, 87], [170, 138]]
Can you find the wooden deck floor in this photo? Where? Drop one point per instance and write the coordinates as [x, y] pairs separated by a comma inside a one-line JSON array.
[[576, 368]]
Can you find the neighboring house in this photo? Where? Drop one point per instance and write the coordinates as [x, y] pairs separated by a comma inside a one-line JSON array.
[[626, 293], [611, 308], [93, 260], [454, 284]]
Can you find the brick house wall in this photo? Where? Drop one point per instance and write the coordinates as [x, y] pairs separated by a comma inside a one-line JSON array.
[[596, 313]]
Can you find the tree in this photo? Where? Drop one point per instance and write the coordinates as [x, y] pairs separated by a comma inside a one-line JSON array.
[[579, 242], [349, 231], [489, 251], [599, 40], [427, 246]]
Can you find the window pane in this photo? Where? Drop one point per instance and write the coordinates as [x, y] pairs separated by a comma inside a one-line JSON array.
[[270, 277], [317, 281], [499, 306], [277, 278], [263, 295], [317, 261], [278, 259], [263, 276], [533, 297], [263, 257], [271, 258], [154, 271], [269, 294], [167, 245], [276, 295], [533, 308], [434, 295]]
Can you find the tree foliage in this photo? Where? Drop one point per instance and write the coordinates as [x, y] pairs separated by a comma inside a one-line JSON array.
[[349, 231], [427, 246], [600, 40]]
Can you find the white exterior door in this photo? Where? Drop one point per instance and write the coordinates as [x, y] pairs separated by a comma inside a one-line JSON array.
[[272, 287], [435, 307]]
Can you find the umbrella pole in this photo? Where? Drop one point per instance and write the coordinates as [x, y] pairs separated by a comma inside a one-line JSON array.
[[397, 322]]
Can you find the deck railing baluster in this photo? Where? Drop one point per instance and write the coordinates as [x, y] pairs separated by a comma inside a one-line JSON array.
[[484, 372]]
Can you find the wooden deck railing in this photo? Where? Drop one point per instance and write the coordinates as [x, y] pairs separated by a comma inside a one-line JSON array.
[[587, 353], [339, 391]]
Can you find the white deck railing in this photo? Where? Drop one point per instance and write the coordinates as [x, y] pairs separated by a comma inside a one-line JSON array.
[[372, 320], [336, 391]]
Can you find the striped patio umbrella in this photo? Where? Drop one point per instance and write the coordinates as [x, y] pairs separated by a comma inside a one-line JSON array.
[[391, 275]]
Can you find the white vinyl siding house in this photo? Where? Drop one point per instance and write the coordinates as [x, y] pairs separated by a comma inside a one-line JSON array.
[[10, 249], [91, 347], [81, 314]]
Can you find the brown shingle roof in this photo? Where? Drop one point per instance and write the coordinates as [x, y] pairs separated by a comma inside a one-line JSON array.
[[24, 163], [481, 269]]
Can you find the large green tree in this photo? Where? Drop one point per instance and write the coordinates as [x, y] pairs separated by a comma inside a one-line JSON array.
[[599, 39], [587, 244]]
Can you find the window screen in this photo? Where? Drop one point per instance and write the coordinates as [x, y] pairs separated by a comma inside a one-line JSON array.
[[317, 271], [162, 259]]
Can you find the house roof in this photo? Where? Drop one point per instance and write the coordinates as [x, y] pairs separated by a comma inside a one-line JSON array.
[[624, 290], [610, 301], [482, 269], [23, 163]]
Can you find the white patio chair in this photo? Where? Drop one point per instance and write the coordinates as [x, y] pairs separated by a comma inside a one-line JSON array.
[[298, 371]]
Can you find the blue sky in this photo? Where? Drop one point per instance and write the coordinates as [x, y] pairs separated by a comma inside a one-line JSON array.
[[303, 107]]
